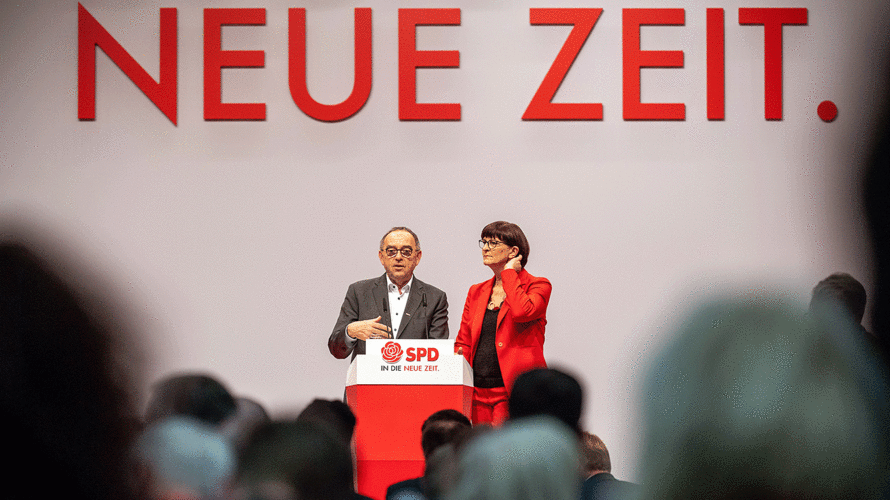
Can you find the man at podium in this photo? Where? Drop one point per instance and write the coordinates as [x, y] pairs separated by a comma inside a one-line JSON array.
[[395, 305]]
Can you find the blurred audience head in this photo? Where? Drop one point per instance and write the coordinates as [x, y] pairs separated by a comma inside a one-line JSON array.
[[440, 428], [840, 290], [758, 399], [441, 433], [527, 459], [335, 415], [66, 372], [876, 199], [547, 391], [193, 394], [238, 426], [295, 460], [441, 472], [595, 455], [185, 458]]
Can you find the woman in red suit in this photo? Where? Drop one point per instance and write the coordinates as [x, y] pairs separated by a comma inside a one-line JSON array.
[[502, 327]]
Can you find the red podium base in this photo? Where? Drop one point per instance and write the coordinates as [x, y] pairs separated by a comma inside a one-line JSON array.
[[387, 433]]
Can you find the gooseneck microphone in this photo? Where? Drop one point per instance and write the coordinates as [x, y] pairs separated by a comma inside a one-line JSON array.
[[426, 322], [385, 317]]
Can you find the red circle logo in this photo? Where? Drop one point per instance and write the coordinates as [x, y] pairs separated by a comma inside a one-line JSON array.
[[392, 352]]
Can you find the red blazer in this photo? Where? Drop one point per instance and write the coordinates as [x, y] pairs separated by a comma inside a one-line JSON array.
[[521, 321]]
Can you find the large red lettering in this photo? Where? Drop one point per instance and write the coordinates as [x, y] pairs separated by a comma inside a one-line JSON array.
[[91, 34], [541, 107], [716, 65], [361, 87], [410, 59], [215, 59], [635, 59], [772, 20]]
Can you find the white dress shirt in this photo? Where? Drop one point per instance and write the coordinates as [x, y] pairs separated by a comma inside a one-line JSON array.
[[397, 301]]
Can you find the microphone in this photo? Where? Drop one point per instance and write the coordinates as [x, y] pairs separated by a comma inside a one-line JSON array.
[[426, 318], [386, 318]]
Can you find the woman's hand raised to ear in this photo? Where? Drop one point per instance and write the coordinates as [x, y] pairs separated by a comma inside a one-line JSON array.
[[515, 263]]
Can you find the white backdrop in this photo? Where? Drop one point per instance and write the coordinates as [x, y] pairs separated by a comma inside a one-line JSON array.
[[236, 241]]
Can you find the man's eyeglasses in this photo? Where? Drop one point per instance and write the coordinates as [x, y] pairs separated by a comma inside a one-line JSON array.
[[489, 243], [406, 252]]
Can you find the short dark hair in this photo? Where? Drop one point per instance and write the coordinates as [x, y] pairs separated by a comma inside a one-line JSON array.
[[843, 290], [440, 428], [510, 234], [334, 414], [195, 394], [401, 228], [595, 453], [447, 415], [307, 456], [546, 391]]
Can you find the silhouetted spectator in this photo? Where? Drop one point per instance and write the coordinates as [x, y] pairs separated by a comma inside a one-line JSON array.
[[531, 458], [442, 473], [64, 399], [758, 399], [185, 458], [842, 290], [547, 391], [876, 187], [194, 394], [337, 417], [441, 428], [334, 414], [239, 426], [600, 483], [299, 459]]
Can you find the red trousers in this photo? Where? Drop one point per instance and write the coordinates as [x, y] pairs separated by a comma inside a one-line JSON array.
[[490, 406]]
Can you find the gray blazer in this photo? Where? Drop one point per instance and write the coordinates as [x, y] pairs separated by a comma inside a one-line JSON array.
[[426, 313]]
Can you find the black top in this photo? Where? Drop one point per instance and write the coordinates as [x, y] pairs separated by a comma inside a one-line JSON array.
[[486, 368]]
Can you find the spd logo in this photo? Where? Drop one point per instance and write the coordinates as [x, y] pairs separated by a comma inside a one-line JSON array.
[[392, 352]]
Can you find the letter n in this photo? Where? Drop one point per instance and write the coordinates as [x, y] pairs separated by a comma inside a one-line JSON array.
[[91, 34]]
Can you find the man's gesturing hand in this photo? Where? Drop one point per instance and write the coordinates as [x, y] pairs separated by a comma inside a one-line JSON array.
[[368, 329]]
